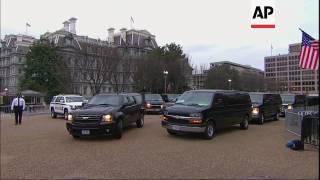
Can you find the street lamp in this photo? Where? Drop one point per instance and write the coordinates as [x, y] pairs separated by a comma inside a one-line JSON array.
[[165, 73], [229, 80]]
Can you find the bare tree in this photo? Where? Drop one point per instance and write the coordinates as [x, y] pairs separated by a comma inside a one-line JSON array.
[[96, 65]]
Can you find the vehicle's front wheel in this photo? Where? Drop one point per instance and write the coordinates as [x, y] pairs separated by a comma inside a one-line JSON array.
[[140, 121], [75, 137], [118, 131], [65, 113], [53, 114], [245, 123], [210, 130], [261, 120], [276, 116]]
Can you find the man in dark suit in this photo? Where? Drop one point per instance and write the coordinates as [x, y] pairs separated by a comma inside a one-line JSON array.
[[18, 105]]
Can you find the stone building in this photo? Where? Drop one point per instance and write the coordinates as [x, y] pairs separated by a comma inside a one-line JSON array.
[[13, 52], [286, 74], [131, 43]]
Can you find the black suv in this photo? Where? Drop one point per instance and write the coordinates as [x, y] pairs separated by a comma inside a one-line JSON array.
[[204, 111], [106, 114], [290, 101], [265, 106], [153, 103]]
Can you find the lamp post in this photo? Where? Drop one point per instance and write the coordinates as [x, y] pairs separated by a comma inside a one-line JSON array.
[[229, 80], [165, 73]]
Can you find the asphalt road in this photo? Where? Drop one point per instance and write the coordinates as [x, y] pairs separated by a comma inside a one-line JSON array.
[[42, 148]]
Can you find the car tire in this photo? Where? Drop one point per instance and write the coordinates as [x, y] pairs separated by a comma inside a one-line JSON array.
[[210, 130], [140, 121], [65, 114], [75, 137], [276, 117], [245, 123], [261, 120], [171, 132], [118, 130], [53, 114]]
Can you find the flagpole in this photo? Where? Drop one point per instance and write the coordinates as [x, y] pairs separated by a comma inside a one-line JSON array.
[[315, 82]]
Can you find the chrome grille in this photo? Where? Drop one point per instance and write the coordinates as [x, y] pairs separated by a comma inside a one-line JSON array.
[[87, 118]]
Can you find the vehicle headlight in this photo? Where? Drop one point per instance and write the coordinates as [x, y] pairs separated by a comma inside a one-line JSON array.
[[107, 118], [255, 111], [70, 117], [197, 115], [290, 107], [164, 118], [148, 105], [161, 106]]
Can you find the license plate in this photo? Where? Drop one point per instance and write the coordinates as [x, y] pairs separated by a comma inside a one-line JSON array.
[[85, 132], [175, 127]]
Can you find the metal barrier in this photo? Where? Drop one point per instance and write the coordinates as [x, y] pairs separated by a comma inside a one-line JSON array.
[[310, 129], [29, 108], [304, 123]]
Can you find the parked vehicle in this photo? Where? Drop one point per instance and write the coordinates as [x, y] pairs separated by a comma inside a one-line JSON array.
[[204, 111], [290, 101], [312, 100], [105, 114], [169, 99], [64, 104], [265, 106], [153, 103]]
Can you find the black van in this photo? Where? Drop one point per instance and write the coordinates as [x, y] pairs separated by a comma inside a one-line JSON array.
[[204, 111], [290, 101], [265, 106]]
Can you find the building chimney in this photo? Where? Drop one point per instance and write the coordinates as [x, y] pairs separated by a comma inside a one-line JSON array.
[[123, 34], [73, 25], [111, 35], [66, 25]]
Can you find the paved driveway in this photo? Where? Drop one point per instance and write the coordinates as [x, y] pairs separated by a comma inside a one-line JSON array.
[[42, 148]]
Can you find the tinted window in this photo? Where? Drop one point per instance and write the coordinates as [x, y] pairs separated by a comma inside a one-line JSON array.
[[287, 98], [112, 100], [312, 100], [172, 97], [218, 100], [256, 98], [54, 99], [153, 97], [58, 99], [138, 99], [300, 99], [131, 100], [196, 98], [75, 99]]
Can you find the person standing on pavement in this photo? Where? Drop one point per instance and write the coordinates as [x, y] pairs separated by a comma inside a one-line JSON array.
[[18, 105]]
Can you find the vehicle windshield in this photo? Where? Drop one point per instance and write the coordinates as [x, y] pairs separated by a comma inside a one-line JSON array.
[[195, 98], [172, 97], [287, 98], [256, 98], [153, 97], [111, 100], [74, 99]]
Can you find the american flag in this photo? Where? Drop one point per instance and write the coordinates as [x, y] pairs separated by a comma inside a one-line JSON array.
[[309, 56]]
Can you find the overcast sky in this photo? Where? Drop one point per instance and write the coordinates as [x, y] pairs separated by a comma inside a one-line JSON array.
[[208, 30]]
